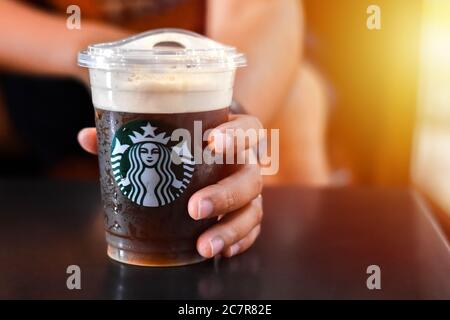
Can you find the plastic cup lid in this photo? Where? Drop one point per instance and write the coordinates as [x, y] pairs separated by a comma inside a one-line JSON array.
[[162, 49]]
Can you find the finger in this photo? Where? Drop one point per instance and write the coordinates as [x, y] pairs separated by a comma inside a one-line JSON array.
[[227, 195], [230, 229], [87, 138], [239, 133], [243, 244]]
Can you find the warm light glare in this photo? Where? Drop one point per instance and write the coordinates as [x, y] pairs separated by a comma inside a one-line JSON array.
[[431, 157]]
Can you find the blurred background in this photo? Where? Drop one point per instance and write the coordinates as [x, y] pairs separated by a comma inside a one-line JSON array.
[[389, 121], [389, 91]]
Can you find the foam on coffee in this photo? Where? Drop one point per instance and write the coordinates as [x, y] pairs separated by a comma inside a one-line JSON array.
[[141, 91], [174, 90]]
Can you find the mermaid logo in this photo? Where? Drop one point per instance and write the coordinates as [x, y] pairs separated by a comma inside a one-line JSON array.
[[143, 165]]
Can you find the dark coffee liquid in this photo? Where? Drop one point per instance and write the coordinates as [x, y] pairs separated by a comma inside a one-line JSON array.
[[163, 233]]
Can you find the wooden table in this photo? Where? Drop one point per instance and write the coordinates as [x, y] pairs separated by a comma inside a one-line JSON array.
[[315, 243]]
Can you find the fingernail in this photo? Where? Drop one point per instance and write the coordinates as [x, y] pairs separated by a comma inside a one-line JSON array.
[[234, 249], [205, 208], [80, 135], [216, 245]]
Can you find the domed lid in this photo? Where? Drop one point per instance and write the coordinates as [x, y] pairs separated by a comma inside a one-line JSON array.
[[162, 50]]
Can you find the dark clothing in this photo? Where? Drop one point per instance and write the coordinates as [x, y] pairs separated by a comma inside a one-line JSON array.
[[47, 113]]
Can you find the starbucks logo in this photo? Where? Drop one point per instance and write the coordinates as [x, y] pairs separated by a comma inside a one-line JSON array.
[[142, 161]]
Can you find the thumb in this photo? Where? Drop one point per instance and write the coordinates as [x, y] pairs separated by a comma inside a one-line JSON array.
[[87, 138]]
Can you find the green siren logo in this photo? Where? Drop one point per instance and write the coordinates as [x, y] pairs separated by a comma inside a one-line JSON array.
[[143, 164]]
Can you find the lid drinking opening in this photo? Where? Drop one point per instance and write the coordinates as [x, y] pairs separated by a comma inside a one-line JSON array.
[[168, 45]]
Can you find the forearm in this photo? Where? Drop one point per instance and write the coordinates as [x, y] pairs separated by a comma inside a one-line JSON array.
[[41, 44], [270, 33]]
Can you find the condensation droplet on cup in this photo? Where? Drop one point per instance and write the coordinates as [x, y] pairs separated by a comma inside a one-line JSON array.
[[117, 208], [116, 226]]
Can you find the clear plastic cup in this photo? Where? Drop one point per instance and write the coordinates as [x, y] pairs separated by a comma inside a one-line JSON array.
[[145, 88]]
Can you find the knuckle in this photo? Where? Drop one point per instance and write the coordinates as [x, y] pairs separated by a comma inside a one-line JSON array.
[[232, 235], [257, 231], [243, 242], [231, 198], [259, 183], [253, 174], [259, 213]]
